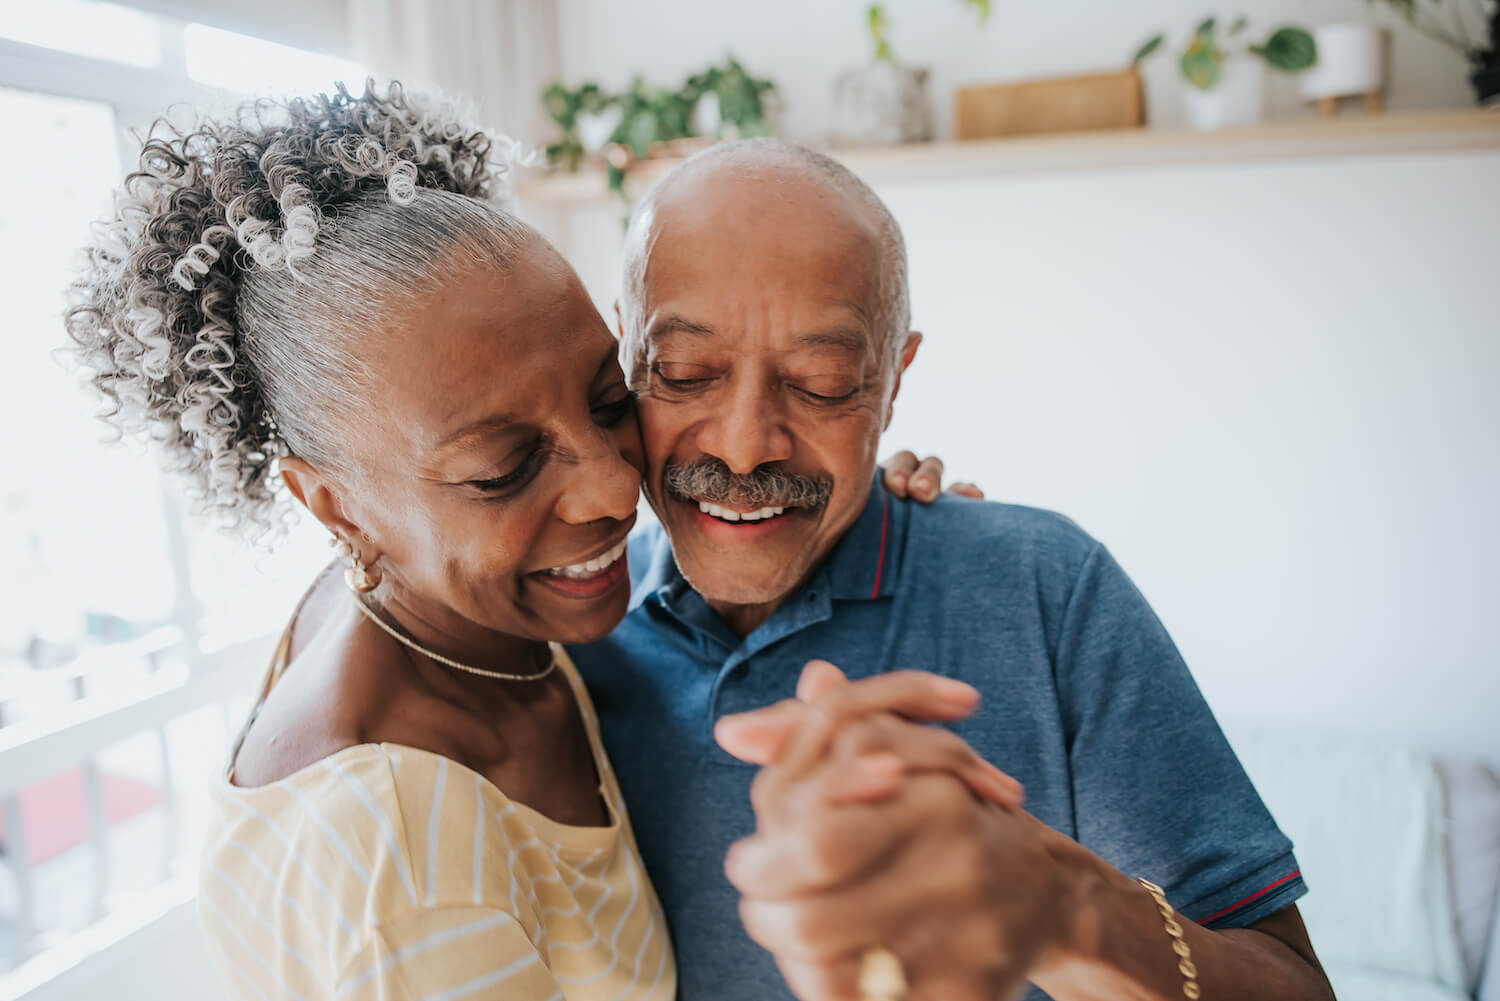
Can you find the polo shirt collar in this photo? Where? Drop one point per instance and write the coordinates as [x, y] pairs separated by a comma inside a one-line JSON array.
[[864, 564]]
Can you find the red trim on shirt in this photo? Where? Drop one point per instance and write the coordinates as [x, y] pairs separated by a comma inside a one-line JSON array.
[[885, 521], [1257, 893]]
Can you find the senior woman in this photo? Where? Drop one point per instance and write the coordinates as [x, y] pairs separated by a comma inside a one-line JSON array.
[[327, 299]]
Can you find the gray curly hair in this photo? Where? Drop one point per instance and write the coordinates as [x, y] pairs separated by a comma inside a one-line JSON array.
[[219, 307]]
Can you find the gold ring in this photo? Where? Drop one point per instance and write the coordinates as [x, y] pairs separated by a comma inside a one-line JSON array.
[[881, 976]]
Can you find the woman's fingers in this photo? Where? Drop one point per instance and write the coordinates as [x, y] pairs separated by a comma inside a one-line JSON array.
[[912, 694], [760, 736], [966, 490], [927, 481], [906, 476], [870, 757], [896, 472]]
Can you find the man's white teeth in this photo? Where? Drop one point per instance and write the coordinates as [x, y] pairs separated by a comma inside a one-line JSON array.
[[724, 514], [582, 571]]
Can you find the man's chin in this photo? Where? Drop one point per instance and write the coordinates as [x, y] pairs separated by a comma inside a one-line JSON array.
[[721, 589]]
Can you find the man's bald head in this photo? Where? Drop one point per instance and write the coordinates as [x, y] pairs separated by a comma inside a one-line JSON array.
[[774, 162]]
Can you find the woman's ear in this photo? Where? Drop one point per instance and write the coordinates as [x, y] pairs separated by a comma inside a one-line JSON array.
[[323, 498]]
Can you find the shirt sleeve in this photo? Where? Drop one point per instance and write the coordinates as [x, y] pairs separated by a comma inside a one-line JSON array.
[[1158, 793], [447, 954]]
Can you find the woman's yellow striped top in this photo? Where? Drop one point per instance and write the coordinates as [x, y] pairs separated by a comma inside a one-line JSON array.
[[387, 872]]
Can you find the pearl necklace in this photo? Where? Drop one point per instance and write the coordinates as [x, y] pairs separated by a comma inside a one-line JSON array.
[[402, 638]]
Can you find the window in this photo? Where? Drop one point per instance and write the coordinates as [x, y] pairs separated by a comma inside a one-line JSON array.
[[73, 578], [100, 561], [97, 30], [249, 65]]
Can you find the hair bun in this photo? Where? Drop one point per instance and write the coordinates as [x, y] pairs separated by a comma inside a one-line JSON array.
[[153, 315]]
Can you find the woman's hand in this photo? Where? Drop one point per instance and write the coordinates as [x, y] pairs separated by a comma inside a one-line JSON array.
[[877, 753], [905, 476]]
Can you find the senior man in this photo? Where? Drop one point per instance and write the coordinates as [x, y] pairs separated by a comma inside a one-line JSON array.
[[765, 323]]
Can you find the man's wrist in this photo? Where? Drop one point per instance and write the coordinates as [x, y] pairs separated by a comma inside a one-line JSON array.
[[1084, 883]]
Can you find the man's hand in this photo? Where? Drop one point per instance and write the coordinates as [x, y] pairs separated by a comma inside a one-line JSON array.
[[905, 476], [826, 877], [975, 897]]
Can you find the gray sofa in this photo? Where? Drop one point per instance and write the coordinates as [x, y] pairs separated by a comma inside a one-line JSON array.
[[1401, 853]]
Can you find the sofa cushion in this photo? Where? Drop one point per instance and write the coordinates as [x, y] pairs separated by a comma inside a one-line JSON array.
[[1351, 984], [1473, 794], [1489, 967], [1367, 819]]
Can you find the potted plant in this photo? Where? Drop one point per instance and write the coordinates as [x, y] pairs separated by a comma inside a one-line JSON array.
[[644, 121], [1480, 46], [885, 102], [1228, 88]]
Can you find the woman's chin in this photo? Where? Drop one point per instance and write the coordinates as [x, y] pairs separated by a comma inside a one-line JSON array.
[[589, 621]]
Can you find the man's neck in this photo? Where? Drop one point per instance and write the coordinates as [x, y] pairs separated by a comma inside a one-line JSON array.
[[744, 619]]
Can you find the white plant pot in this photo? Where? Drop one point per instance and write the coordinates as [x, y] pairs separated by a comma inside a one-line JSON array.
[[881, 104], [1351, 60], [1239, 98], [594, 129], [706, 118]]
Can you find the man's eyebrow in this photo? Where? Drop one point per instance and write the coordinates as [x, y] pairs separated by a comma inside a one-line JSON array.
[[679, 325], [845, 338]]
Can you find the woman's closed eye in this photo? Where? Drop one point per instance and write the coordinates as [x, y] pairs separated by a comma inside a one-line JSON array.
[[517, 477], [620, 404]]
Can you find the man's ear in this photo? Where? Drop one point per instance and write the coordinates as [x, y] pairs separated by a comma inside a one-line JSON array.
[[619, 323], [323, 498], [908, 354]]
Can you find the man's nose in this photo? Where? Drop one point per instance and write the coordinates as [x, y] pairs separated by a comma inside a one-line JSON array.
[[747, 430], [602, 484]]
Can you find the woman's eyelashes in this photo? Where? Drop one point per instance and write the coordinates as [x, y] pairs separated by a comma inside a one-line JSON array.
[[508, 483], [608, 414]]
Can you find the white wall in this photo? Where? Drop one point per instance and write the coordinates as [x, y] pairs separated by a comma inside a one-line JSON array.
[[802, 46], [1273, 390]]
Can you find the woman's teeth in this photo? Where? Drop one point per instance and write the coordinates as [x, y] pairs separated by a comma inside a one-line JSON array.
[[583, 571], [724, 514]]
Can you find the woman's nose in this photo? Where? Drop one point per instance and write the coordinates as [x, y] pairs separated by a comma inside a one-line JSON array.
[[602, 485]]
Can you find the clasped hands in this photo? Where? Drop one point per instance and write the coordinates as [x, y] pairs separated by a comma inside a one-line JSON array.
[[873, 830]]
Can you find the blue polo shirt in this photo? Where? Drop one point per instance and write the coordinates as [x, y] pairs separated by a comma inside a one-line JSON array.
[[1085, 700]]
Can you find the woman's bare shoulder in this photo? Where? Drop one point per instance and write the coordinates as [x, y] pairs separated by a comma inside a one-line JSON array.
[[338, 689]]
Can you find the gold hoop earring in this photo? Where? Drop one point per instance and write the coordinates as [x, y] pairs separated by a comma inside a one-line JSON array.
[[359, 578]]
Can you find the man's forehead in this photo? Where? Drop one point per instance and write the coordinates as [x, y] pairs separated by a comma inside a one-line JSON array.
[[737, 231], [745, 200]]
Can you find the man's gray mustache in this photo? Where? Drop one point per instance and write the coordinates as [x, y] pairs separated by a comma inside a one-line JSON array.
[[709, 479]]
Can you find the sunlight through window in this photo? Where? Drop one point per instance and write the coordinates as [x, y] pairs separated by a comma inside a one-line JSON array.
[[85, 28], [238, 62]]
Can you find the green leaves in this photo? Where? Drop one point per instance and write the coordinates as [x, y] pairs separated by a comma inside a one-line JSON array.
[[1145, 51], [649, 115], [1289, 49], [878, 24], [1201, 61], [982, 7]]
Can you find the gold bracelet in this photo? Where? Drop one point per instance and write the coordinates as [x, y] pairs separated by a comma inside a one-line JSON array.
[[1185, 966]]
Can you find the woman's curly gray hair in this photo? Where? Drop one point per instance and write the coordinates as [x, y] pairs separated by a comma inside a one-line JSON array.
[[219, 306]]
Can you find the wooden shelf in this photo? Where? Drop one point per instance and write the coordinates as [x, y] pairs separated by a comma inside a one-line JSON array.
[[1294, 139]]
